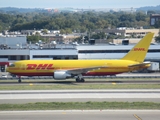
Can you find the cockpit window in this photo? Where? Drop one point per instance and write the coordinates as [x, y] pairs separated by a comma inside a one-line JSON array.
[[12, 65]]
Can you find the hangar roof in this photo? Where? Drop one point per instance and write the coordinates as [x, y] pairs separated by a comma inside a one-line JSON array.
[[111, 47]]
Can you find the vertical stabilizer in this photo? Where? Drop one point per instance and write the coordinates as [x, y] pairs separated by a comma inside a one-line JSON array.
[[139, 51]]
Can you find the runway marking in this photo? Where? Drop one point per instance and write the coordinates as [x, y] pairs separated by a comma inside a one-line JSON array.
[[113, 83], [31, 84], [137, 117]]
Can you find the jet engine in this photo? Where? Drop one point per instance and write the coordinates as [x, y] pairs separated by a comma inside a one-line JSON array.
[[61, 75]]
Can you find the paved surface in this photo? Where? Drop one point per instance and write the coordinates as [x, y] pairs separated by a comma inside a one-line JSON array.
[[88, 81], [82, 115], [125, 78], [123, 75], [124, 95]]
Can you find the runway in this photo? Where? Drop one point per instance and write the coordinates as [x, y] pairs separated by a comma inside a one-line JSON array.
[[88, 81], [125, 78], [120, 95], [82, 115]]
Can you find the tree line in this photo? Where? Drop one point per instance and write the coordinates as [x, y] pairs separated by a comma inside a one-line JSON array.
[[74, 22], [69, 22]]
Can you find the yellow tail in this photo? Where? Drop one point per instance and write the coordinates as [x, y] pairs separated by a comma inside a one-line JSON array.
[[139, 51]]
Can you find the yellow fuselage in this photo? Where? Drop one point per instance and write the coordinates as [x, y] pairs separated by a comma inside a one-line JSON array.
[[48, 67]]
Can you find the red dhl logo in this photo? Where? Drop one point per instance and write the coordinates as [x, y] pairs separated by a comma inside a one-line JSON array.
[[39, 66], [139, 49]]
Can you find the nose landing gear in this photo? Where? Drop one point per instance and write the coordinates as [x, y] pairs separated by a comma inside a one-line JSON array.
[[19, 79]]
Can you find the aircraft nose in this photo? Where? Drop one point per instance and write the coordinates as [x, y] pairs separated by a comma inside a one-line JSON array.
[[7, 69]]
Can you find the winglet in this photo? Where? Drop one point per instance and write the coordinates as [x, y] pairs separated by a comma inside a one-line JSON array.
[[139, 51]]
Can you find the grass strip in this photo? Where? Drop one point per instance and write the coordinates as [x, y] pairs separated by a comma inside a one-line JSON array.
[[79, 86], [79, 106]]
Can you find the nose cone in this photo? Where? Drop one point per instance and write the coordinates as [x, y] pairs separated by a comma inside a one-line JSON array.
[[7, 69]]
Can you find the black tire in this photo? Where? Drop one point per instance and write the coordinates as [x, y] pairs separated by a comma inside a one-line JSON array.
[[77, 80], [82, 80], [19, 81]]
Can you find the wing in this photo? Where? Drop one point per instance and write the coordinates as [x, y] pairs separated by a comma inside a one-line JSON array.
[[140, 65], [83, 70]]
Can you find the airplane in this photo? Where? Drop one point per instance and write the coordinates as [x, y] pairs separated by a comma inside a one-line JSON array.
[[64, 69]]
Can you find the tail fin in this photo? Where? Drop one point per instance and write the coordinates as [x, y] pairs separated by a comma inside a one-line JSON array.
[[139, 51]]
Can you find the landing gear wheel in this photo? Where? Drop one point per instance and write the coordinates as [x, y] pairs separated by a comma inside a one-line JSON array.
[[80, 79], [19, 80]]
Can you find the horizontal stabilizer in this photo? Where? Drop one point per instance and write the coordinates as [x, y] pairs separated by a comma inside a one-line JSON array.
[[139, 65]]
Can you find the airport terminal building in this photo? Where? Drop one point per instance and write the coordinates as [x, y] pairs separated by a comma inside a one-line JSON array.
[[76, 52]]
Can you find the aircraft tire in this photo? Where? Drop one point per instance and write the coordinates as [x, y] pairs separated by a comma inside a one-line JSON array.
[[19, 81], [77, 80], [80, 80]]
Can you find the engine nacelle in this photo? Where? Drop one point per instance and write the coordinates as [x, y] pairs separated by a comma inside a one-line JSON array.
[[61, 75]]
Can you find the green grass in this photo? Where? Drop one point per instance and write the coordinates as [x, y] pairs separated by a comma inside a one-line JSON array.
[[78, 86], [79, 106]]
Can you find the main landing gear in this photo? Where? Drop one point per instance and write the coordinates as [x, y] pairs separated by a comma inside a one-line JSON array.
[[19, 79], [80, 78]]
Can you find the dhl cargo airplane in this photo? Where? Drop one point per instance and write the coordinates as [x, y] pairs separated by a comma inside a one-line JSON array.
[[63, 69]]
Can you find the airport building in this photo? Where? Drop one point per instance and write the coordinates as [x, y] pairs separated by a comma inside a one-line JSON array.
[[154, 18], [114, 52], [12, 41]]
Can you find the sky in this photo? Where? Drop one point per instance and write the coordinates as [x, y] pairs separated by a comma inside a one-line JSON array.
[[78, 3]]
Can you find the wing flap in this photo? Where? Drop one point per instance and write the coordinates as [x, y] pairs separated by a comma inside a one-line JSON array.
[[84, 70]]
